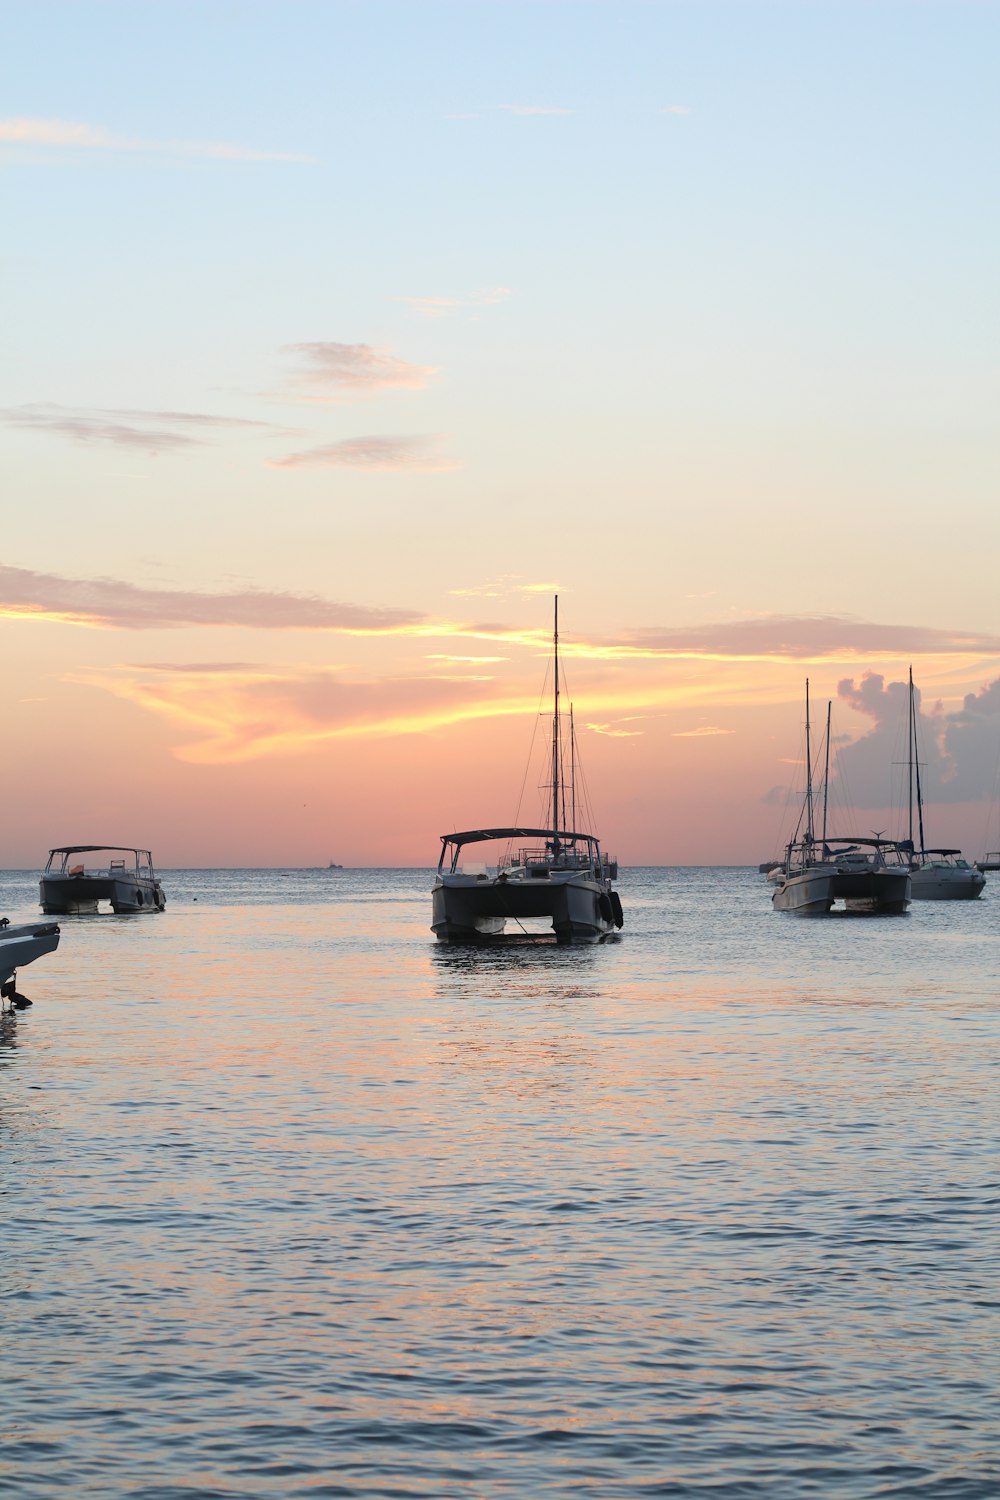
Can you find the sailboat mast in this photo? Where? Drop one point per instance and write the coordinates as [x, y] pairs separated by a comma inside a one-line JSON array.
[[556, 749], [809, 775], [826, 773], [909, 759], [915, 767]]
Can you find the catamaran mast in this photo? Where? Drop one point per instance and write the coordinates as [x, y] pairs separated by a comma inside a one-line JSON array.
[[909, 760], [826, 774], [809, 775], [556, 749]]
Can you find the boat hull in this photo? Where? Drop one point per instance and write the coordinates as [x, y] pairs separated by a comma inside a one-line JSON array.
[[475, 908], [809, 894], [946, 885], [815, 891], [77, 895], [23, 943]]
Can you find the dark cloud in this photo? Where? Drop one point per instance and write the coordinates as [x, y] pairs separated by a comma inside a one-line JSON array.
[[108, 601], [957, 752]]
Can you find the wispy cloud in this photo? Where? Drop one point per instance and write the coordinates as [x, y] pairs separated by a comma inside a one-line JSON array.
[[416, 455], [108, 602], [675, 109], [503, 587], [614, 731], [445, 656], [441, 307], [703, 731], [247, 716], [75, 135], [150, 431], [354, 370], [799, 638]]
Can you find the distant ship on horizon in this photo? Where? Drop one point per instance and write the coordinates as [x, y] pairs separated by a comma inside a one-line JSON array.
[[333, 866]]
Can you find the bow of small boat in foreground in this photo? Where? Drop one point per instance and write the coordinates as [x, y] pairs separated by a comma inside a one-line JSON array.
[[21, 943]]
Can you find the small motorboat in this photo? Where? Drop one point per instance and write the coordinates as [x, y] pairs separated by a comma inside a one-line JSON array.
[[21, 943], [72, 883]]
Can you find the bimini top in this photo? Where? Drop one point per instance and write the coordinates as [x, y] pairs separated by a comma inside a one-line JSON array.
[[96, 849], [482, 835]]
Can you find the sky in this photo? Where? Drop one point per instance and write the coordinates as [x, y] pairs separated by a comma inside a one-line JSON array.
[[338, 336]]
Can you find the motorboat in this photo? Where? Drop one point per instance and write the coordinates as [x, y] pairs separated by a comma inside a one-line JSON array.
[[21, 943], [942, 875], [78, 877], [935, 874], [819, 870], [556, 872]]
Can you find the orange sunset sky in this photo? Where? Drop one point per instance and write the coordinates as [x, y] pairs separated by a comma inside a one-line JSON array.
[[338, 338]]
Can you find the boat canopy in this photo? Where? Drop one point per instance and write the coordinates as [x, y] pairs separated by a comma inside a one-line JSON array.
[[483, 835], [97, 849]]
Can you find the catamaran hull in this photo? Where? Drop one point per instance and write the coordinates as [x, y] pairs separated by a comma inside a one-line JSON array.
[[886, 891], [946, 885], [809, 894], [77, 895], [466, 909]]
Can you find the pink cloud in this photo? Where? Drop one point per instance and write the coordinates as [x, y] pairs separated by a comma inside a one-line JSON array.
[[413, 454]]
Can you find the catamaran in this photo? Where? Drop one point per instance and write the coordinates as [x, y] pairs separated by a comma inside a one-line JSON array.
[[818, 871], [558, 871]]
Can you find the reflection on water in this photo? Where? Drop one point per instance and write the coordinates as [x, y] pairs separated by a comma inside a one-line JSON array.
[[302, 1203]]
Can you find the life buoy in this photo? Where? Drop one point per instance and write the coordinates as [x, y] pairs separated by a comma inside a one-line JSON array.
[[161, 899], [616, 909], [604, 906]]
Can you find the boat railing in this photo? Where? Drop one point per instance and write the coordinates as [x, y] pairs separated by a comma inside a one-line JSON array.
[[566, 858]]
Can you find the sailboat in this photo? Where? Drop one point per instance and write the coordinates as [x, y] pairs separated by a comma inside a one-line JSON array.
[[557, 872], [935, 874], [817, 872]]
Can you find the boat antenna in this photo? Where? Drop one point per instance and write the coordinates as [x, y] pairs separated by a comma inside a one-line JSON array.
[[809, 775], [556, 749], [826, 772]]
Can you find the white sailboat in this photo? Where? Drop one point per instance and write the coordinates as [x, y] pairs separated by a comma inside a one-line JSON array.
[[558, 872], [935, 874]]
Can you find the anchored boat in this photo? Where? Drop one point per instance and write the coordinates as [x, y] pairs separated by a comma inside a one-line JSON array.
[[73, 883], [21, 944], [935, 874], [557, 872], [819, 870]]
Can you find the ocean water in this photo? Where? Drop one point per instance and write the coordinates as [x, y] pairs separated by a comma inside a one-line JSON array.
[[298, 1203]]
